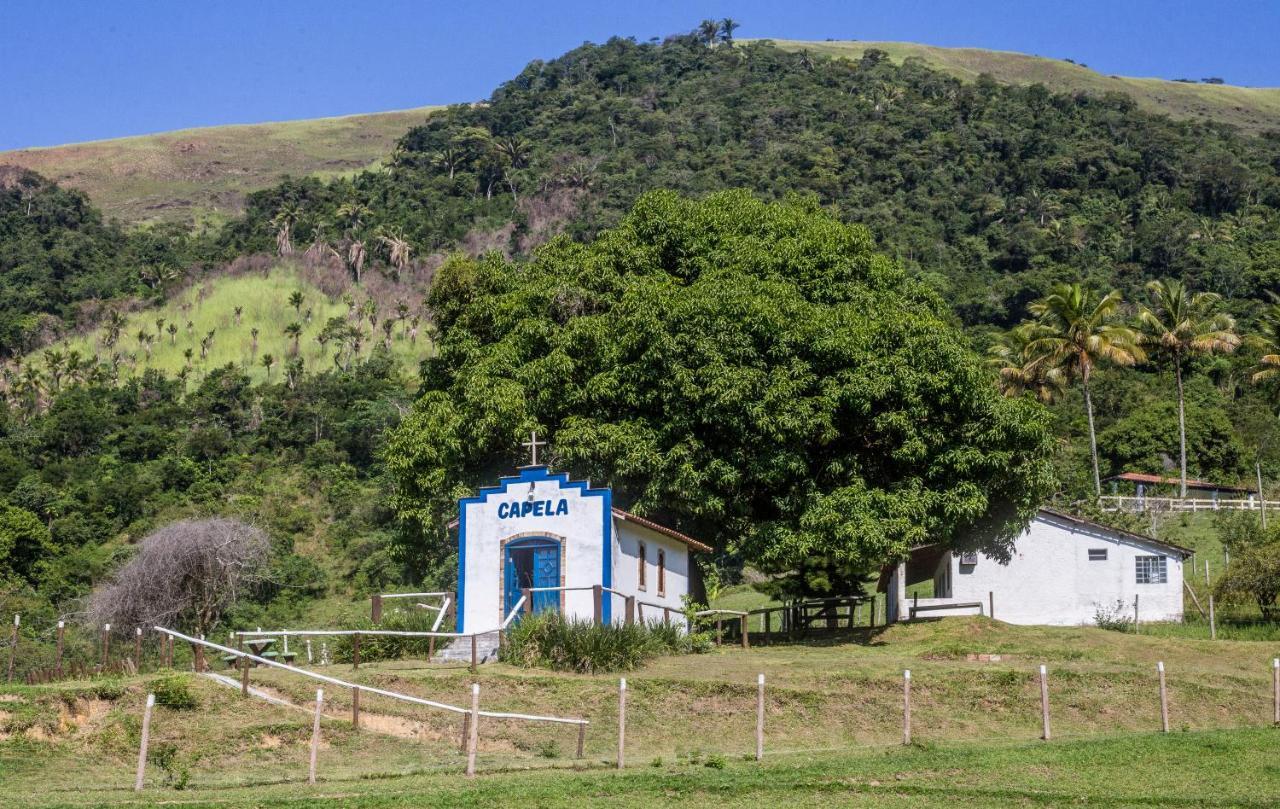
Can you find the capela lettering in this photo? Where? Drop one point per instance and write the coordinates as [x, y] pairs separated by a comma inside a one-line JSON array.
[[536, 508]]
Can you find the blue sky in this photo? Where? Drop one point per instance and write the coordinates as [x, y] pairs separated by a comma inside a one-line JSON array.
[[85, 69]]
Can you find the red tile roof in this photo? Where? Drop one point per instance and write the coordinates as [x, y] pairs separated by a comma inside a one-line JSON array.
[[1141, 477]]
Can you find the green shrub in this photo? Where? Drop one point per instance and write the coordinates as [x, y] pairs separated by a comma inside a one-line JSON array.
[[388, 647], [1117, 618], [174, 691], [551, 641]]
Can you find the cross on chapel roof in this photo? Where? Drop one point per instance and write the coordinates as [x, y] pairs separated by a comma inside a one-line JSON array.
[[532, 444]]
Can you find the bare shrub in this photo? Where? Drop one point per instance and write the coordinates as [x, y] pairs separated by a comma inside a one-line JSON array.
[[184, 574]]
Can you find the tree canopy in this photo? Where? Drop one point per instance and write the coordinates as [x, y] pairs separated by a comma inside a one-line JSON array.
[[754, 372]]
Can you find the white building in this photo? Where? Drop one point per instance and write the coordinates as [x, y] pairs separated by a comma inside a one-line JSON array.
[[540, 529], [1062, 570]]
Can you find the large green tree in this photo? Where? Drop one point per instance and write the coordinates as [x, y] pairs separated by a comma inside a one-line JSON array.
[[754, 372]]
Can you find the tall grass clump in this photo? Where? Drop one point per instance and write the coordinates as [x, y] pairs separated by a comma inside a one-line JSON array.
[[551, 641]]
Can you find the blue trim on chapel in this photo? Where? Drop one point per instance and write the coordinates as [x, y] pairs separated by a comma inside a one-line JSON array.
[[534, 474]]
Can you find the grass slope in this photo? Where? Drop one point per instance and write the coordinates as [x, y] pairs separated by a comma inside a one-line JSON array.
[[211, 307], [1253, 109], [833, 725], [202, 175]]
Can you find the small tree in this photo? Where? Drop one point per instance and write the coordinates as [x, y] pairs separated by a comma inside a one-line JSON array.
[[184, 574], [1254, 574]]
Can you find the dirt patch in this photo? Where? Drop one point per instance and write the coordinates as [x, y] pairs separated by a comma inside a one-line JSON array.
[[81, 713], [270, 741], [11, 698]]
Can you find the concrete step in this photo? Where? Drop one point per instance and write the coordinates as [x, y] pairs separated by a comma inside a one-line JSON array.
[[459, 650]]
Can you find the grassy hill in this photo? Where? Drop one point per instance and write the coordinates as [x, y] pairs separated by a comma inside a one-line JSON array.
[[210, 306], [1253, 109], [833, 714], [202, 175]]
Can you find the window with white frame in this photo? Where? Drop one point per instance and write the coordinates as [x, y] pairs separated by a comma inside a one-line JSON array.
[[1152, 570]]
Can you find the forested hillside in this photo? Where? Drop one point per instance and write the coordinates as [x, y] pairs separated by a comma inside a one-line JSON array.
[[980, 195]]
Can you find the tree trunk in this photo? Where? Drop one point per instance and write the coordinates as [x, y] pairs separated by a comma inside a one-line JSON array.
[[1182, 426], [1093, 437]]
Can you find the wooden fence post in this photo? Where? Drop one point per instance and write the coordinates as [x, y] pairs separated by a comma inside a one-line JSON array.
[[1044, 702], [315, 736], [630, 610], [742, 626], [473, 736], [57, 665], [1164, 699], [355, 652], [137, 649], [622, 722], [431, 648], [244, 676], [582, 738], [13, 647], [1213, 624], [199, 653], [475, 661], [597, 596], [527, 593], [355, 708], [142, 748], [106, 644], [759, 717], [768, 630], [375, 609], [991, 604], [906, 707], [719, 631]]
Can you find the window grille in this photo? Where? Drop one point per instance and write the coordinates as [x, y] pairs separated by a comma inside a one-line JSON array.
[[1151, 570], [1097, 554]]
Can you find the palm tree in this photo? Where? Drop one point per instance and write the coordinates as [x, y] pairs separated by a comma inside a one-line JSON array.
[[1077, 332], [173, 334], [294, 332], [295, 300], [268, 362], [727, 26], [1182, 324], [283, 222], [1268, 342], [238, 312], [253, 345], [398, 250], [1020, 372], [707, 31]]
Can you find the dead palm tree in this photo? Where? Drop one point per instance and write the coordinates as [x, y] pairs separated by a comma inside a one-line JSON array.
[[1181, 324], [283, 223], [1077, 332], [398, 250]]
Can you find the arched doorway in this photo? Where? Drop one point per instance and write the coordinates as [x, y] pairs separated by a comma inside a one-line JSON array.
[[531, 562]]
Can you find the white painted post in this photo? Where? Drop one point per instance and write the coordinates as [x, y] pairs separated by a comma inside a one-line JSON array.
[[473, 736], [1135, 614], [1164, 699], [57, 666], [1213, 624], [142, 748], [13, 646], [286, 647], [1044, 702], [309, 651], [315, 736], [1206, 572], [759, 717], [906, 707], [1275, 688], [622, 721]]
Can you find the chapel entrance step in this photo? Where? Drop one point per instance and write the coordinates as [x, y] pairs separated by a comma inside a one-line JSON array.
[[459, 651]]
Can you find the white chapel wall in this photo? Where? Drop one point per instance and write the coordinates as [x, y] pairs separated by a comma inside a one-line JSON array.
[[626, 568]]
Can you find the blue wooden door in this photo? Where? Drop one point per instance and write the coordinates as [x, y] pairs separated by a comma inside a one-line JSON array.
[[533, 562], [546, 573]]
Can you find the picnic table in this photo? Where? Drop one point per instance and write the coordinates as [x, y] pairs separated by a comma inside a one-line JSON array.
[[260, 647]]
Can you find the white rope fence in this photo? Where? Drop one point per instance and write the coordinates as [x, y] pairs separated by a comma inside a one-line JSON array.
[[366, 688]]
